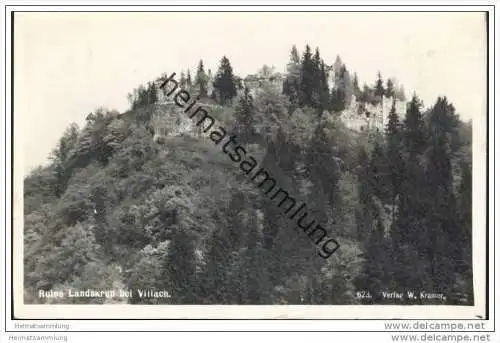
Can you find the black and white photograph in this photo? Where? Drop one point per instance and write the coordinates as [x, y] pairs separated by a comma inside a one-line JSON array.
[[296, 160]]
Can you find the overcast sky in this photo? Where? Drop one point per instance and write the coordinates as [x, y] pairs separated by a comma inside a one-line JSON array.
[[68, 64]]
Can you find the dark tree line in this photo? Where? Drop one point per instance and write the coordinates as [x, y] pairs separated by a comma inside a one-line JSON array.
[[306, 84], [409, 179]]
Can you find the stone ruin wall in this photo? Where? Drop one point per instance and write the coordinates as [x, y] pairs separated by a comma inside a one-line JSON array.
[[365, 116], [357, 116]]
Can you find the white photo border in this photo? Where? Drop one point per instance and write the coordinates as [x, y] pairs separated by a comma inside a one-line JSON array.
[[370, 318]]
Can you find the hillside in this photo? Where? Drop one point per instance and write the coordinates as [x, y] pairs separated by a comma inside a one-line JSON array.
[[145, 200]]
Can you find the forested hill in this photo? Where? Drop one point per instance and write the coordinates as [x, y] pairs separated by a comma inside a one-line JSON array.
[[118, 207]]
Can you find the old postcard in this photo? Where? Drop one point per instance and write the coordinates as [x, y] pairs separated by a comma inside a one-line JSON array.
[[251, 165]]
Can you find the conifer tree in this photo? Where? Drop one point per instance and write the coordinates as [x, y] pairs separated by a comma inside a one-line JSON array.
[[255, 267], [410, 236], [465, 220], [373, 278], [414, 129], [337, 66], [245, 117], [182, 80], [324, 174], [444, 238], [342, 90], [307, 81], [370, 227], [60, 158], [365, 193], [179, 267], [348, 87], [273, 217], [379, 172], [201, 81], [189, 82], [379, 86], [394, 150], [216, 276], [292, 80], [324, 90], [317, 80], [389, 89], [355, 86], [337, 99], [399, 93], [224, 81], [234, 219], [367, 95]]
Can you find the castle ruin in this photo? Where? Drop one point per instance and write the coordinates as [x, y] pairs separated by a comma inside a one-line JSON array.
[[359, 116]]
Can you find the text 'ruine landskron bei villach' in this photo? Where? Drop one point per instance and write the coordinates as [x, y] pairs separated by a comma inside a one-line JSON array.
[[247, 164]]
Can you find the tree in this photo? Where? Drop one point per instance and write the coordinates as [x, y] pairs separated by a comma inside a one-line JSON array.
[[256, 281], [70, 251], [394, 144], [152, 93], [342, 80], [234, 217], [324, 97], [40, 188], [97, 141], [201, 81], [414, 129], [465, 220], [399, 93], [340, 274], [61, 156], [182, 80], [373, 277], [355, 86], [445, 240], [365, 193], [224, 81], [156, 213], [348, 86], [307, 82], [337, 66], [244, 114], [389, 89], [337, 99], [367, 95], [324, 174], [317, 80], [410, 231], [292, 80], [147, 272], [379, 172], [342, 91], [216, 281], [189, 82], [179, 267], [293, 66]]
